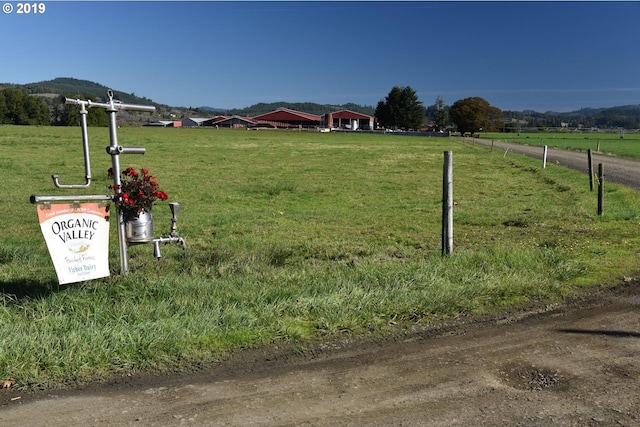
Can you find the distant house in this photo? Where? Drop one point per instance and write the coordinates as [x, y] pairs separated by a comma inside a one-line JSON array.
[[287, 118]]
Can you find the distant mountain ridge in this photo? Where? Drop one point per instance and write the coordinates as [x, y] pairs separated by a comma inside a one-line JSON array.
[[67, 86], [625, 116]]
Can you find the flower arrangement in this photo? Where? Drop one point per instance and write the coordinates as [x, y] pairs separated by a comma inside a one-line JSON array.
[[137, 192]]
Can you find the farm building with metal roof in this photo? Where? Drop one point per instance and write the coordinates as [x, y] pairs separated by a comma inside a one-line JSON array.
[[197, 121], [165, 124], [233, 122], [347, 119], [284, 117]]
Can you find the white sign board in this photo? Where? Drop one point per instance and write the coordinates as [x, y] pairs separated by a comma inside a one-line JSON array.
[[78, 239]]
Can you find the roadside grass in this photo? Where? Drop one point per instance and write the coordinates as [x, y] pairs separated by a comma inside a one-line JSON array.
[[291, 237], [626, 145]]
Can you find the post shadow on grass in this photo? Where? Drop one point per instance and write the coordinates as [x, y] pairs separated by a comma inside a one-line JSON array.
[[21, 289], [619, 334]]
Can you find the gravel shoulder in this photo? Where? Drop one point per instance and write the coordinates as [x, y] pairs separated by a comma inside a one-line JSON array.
[[616, 169]]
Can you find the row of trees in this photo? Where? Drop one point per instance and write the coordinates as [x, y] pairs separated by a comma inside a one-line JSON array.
[[69, 115], [401, 109], [18, 108], [627, 117]]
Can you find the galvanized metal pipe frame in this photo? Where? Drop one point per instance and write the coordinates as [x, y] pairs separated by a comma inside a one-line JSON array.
[[85, 149], [45, 199], [165, 240], [114, 149]]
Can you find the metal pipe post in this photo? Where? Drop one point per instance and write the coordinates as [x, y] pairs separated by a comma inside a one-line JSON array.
[[115, 167], [447, 204], [85, 148]]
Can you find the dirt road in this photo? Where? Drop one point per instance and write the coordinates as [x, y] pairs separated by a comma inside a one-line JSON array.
[[575, 365], [616, 169], [570, 365]]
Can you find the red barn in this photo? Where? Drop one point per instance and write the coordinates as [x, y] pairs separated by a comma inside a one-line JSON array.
[[284, 117]]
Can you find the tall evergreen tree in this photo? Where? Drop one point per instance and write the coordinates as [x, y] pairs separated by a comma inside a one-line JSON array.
[[442, 114], [401, 109]]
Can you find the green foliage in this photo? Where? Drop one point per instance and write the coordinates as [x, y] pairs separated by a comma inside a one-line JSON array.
[[474, 114], [401, 109], [627, 117], [77, 88], [17, 108], [438, 113], [71, 115]]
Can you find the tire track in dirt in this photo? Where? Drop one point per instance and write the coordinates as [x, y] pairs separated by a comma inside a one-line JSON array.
[[563, 365]]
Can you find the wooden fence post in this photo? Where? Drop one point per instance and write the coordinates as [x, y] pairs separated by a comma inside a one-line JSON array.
[[600, 189], [590, 160], [447, 204]]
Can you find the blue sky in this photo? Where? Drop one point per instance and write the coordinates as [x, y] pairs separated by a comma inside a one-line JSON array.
[[558, 56]]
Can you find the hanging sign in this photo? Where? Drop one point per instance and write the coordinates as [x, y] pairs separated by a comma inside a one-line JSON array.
[[77, 236]]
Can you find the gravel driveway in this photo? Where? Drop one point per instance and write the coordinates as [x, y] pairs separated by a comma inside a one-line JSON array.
[[616, 169]]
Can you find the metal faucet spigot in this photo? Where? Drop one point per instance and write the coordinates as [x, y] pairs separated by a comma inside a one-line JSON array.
[[175, 208]]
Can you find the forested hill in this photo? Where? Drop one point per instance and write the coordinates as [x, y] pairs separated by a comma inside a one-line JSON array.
[[66, 86], [627, 117]]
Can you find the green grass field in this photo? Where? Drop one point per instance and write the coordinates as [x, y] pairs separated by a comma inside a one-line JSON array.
[[623, 145], [292, 237]]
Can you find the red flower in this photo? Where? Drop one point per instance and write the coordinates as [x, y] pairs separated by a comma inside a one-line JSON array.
[[137, 193]]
